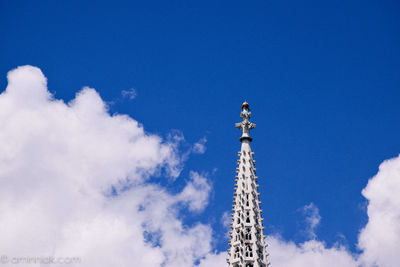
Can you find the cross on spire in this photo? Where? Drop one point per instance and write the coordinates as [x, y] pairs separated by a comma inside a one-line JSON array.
[[245, 125]]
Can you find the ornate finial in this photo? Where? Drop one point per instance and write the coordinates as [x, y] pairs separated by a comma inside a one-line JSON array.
[[245, 105], [245, 125]]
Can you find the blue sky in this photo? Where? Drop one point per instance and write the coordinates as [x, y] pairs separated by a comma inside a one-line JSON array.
[[322, 79]]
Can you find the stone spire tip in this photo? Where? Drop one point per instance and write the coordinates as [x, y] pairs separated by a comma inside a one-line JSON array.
[[245, 125], [245, 105]]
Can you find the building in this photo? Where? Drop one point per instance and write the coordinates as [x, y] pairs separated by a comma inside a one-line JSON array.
[[247, 243]]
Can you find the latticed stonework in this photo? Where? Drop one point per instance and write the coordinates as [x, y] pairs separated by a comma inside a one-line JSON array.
[[247, 245]]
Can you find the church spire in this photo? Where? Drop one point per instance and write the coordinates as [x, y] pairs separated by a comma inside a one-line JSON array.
[[247, 244]]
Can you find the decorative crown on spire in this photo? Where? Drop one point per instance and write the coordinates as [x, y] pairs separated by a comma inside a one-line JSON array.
[[245, 125]]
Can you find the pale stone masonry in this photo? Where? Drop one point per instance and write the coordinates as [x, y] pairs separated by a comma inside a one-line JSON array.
[[247, 243]]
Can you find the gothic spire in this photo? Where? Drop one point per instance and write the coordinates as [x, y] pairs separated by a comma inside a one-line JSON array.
[[247, 243]]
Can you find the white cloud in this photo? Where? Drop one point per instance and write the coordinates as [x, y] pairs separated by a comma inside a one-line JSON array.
[[226, 219], [380, 238], [311, 253], [312, 219], [131, 93], [74, 183], [214, 260], [200, 146], [58, 165], [196, 192]]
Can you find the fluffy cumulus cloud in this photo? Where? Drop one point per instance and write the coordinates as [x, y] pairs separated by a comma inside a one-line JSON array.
[[214, 260], [74, 183], [380, 239], [311, 253], [196, 192]]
